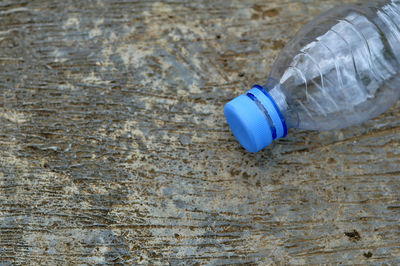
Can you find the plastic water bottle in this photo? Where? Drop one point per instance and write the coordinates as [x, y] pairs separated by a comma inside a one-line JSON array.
[[342, 69]]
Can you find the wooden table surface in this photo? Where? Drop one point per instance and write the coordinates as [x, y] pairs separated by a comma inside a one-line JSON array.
[[114, 147]]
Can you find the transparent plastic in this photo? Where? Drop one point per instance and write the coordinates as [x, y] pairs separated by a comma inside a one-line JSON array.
[[341, 69]]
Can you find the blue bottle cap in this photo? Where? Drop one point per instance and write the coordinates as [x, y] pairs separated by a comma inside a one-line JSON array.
[[248, 123], [255, 119]]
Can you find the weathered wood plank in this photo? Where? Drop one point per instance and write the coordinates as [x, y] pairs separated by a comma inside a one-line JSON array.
[[114, 148]]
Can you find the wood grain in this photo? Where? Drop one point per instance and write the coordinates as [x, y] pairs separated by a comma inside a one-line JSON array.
[[114, 148]]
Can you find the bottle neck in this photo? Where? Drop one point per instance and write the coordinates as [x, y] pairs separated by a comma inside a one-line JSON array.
[[270, 108], [275, 91]]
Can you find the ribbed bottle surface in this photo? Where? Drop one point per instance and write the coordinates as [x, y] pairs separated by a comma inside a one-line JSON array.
[[341, 69]]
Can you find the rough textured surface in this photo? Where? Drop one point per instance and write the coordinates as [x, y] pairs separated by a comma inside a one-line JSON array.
[[114, 148]]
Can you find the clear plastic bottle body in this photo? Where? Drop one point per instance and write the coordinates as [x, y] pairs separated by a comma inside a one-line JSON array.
[[341, 69]]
